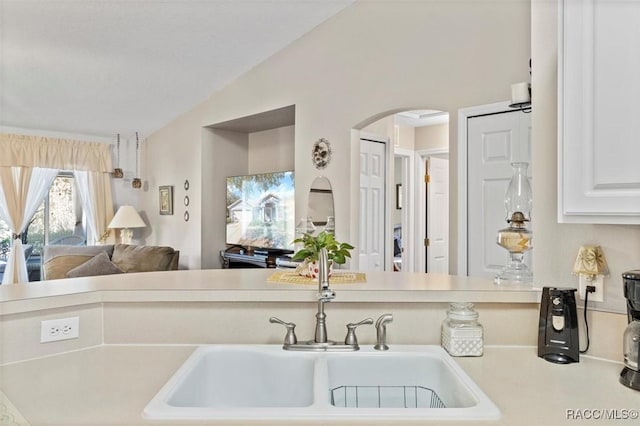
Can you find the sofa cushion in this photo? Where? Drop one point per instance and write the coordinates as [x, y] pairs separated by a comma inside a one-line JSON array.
[[58, 260], [100, 264], [132, 258]]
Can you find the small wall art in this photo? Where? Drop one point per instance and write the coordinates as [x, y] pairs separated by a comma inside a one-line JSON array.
[[166, 199], [398, 196], [321, 153]]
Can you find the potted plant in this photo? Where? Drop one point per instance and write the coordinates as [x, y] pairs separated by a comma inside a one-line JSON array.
[[336, 252]]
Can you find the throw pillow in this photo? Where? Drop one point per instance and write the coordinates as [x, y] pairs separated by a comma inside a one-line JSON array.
[[100, 264], [132, 258]]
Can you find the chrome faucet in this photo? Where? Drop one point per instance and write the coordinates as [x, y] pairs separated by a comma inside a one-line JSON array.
[[325, 295], [321, 341], [381, 332]]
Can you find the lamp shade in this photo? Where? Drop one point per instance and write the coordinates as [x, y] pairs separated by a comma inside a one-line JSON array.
[[591, 261], [127, 217]]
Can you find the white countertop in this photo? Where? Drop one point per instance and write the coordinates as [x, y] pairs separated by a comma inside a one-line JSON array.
[[249, 285], [111, 384]]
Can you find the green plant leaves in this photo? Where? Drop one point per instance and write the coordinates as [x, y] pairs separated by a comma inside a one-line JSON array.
[[336, 251]]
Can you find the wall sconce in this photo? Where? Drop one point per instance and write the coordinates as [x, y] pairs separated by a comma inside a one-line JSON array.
[[591, 266], [126, 218]]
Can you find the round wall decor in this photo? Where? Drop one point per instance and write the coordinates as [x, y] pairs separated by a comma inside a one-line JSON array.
[[321, 153], [186, 185]]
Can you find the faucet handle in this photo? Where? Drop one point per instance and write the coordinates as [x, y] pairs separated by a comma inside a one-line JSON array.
[[290, 338], [351, 338]]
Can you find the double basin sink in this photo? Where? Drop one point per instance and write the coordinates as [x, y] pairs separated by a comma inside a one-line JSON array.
[[254, 382]]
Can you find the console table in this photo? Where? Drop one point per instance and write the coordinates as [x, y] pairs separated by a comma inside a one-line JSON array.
[[238, 258]]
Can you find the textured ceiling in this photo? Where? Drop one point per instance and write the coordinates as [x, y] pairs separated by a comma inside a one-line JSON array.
[[102, 67]]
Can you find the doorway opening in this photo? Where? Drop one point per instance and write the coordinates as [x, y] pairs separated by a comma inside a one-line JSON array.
[[411, 139], [490, 138]]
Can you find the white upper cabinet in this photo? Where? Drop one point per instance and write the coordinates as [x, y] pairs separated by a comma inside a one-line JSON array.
[[599, 112]]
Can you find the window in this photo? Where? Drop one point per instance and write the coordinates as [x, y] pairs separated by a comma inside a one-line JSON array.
[[5, 240], [59, 220]]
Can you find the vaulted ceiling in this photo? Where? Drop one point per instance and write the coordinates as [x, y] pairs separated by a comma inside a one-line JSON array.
[[103, 67]]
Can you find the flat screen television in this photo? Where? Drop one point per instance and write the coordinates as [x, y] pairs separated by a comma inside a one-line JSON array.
[[261, 211]]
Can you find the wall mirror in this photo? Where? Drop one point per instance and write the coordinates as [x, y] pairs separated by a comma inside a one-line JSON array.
[[413, 144], [320, 205]]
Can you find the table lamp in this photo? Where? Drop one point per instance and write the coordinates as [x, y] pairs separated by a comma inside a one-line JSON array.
[[126, 218]]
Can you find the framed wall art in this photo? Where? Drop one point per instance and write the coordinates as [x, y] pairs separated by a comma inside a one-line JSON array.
[[398, 196], [166, 199]]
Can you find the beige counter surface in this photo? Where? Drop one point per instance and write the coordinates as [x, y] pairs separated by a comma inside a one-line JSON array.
[[111, 384], [251, 285]]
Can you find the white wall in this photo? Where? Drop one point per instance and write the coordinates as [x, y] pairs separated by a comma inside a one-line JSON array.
[[344, 75]]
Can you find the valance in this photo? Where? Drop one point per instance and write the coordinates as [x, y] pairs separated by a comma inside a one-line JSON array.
[[54, 153]]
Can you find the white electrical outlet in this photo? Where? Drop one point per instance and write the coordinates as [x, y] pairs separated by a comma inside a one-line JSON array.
[[59, 329], [597, 282]]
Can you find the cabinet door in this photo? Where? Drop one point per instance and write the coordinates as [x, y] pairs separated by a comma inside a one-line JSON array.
[[599, 112]]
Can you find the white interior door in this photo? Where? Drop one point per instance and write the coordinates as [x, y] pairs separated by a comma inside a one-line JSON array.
[[371, 248], [438, 215], [494, 142]]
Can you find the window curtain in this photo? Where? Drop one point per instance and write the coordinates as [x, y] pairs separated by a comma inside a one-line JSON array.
[[23, 190], [54, 153], [95, 194], [23, 161]]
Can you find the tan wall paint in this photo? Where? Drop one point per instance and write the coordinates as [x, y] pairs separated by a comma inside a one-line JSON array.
[[406, 137], [343, 73], [272, 150], [432, 137]]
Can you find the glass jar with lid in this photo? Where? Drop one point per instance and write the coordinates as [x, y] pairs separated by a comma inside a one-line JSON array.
[[462, 334]]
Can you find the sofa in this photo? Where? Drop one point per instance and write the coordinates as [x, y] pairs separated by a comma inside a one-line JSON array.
[[65, 261]]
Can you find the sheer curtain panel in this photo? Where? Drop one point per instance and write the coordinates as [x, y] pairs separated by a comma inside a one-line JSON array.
[[22, 191], [95, 193]]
